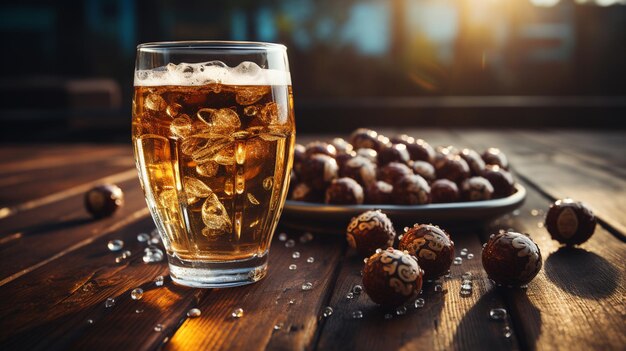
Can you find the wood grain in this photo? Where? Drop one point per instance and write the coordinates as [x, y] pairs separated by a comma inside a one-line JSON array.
[[56, 227], [276, 300]]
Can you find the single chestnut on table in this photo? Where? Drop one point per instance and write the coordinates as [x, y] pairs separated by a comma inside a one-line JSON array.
[[103, 200], [511, 259], [304, 192], [344, 191], [570, 222], [369, 231], [391, 277], [342, 146], [444, 190], [432, 247]]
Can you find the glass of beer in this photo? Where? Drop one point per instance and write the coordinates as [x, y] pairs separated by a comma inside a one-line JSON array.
[[213, 132]]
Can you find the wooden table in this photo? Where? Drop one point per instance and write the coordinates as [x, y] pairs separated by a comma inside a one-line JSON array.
[[57, 272]]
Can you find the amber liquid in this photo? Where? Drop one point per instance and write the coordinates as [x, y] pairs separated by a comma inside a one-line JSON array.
[[214, 164]]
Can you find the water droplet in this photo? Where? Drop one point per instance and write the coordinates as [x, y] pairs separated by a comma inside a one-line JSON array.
[[470, 256], [328, 311], [143, 237], [463, 252], [350, 295], [290, 243], [466, 281], [534, 212], [438, 288], [540, 225], [237, 313], [365, 260], [292, 267], [138, 311], [110, 302], [357, 289], [295, 254], [419, 303], [306, 237], [379, 250], [401, 310], [310, 260], [507, 332], [159, 281], [388, 316], [136, 294], [516, 213], [307, 286], [119, 259], [466, 287], [282, 236], [278, 326], [458, 261], [467, 275], [466, 292], [194, 312], [152, 254], [126, 254], [90, 321], [115, 245], [357, 315], [292, 301], [497, 314], [155, 240], [158, 327]]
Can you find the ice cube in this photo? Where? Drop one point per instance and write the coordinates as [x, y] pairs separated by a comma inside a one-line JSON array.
[[208, 151], [181, 126], [214, 215], [268, 113], [155, 102], [222, 121], [208, 169], [196, 188], [249, 95]]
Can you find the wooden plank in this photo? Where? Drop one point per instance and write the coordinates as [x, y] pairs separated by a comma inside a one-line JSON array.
[[30, 185], [55, 301], [57, 227], [447, 321], [603, 151], [559, 174], [577, 300], [32, 158], [267, 303]]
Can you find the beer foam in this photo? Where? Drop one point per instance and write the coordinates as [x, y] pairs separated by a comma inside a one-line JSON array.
[[196, 74]]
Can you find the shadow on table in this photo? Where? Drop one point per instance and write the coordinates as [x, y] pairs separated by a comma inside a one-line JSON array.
[[42, 228], [582, 273]]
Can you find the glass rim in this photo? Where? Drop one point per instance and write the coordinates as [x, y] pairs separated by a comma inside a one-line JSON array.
[[210, 44]]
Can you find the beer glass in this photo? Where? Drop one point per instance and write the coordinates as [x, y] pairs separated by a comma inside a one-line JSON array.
[[213, 132]]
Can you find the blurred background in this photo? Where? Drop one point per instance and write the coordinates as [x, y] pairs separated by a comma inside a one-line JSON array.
[[68, 65]]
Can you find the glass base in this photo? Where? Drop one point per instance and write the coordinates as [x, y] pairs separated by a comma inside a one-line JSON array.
[[198, 274]]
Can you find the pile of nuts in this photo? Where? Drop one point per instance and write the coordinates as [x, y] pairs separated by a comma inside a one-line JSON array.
[[373, 169]]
